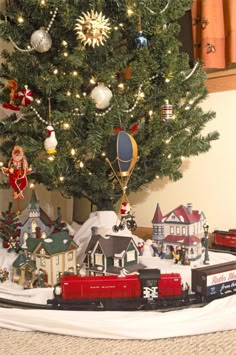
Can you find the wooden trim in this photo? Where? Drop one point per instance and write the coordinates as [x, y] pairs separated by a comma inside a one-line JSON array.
[[222, 80]]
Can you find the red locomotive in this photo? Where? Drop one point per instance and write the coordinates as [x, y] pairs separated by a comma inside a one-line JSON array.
[[148, 290], [225, 240]]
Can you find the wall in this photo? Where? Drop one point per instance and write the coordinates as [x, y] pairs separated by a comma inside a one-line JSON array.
[[209, 180]]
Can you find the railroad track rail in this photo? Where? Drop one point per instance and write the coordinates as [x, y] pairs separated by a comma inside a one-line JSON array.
[[222, 251], [8, 303]]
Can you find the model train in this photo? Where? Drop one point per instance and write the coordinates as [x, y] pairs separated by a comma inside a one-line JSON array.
[[224, 240], [149, 289]]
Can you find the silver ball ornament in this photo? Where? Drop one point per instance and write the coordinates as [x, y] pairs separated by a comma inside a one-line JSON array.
[[41, 40], [102, 95]]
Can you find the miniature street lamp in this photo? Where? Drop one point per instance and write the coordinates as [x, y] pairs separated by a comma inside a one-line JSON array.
[[206, 256]]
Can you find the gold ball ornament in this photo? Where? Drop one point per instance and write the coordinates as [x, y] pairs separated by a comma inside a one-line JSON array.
[[92, 28]]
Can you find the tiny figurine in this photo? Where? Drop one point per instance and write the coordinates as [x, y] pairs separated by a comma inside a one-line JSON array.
[[17, 171], [50, 142], [12, 85]]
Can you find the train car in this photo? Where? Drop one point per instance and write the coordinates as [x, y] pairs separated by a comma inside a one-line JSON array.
[[225, 240], [100, 287], [115, 292], [214, 281]]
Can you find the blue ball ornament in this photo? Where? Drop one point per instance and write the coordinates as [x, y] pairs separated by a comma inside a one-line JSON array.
[[141, 41]]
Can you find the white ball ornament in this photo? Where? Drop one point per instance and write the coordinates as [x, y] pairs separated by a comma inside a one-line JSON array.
[[41, 40], [102, 95]]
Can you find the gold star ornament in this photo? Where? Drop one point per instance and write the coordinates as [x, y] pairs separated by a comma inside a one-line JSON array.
[[92, 28]]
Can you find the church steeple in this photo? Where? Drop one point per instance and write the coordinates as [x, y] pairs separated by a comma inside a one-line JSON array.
[[34, 210]]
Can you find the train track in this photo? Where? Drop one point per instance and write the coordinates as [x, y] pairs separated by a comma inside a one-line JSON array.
[[222, 251], [8, 303]]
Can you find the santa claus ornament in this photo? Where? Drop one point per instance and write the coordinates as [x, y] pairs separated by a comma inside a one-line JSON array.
[[17, 172]]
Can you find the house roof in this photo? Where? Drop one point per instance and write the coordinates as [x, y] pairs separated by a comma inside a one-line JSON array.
[[55, 243], [33, 205], [184, 215], [21, 260], [157, 215], [182, 239], [111, 244]]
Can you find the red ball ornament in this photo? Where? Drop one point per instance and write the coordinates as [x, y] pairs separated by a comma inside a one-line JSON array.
[[25, 96]]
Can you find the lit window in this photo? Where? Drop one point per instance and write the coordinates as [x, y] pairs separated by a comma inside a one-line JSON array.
[[33, 226], [130, 255], [184, 230], [171, 230], [70, 256], [42, 261], [57, 259], [98, 259], [177, 230]]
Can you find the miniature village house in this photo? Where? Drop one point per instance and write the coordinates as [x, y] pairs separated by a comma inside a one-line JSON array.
[[33, 219], [182, 227], [111, 254], [54, 256]]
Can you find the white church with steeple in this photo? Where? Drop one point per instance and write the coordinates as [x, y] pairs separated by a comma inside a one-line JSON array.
[[34, 220]]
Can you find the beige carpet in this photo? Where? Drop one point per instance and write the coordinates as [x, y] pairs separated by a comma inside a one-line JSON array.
[[35, 343]]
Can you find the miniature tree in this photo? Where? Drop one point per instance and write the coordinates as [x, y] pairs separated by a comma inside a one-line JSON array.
[[9, 226], [94, 68], [58, 224]]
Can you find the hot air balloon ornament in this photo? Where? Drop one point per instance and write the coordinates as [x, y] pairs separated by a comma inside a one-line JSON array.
[[122, 157]]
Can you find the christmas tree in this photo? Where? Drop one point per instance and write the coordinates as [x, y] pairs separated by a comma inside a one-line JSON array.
[[97, 68], [9, 225]]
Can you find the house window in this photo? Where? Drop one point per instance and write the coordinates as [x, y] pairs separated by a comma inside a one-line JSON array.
[[130, 255], [184, 230], [42, 251], [116, 262], [25, 236], [173, 216], [70, 256], [98, 259], [42, 261], [171, 230], [34, 224], [177, 230], [57, 259]]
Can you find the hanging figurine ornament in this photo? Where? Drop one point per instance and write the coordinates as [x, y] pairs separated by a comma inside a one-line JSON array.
[[40, 40], [167, 111], [92, 28], [122, 157], [50, 142], [102, 95], [141, 41], [12, 85], [25, 96], [17, 172]]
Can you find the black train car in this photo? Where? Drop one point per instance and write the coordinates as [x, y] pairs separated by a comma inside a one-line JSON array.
[[214, 281]]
